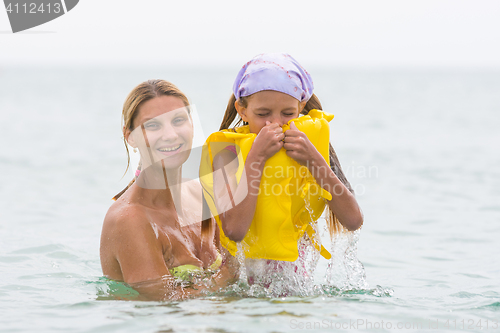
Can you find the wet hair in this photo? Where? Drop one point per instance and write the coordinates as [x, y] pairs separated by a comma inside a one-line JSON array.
[[231, 114], [144, 92]]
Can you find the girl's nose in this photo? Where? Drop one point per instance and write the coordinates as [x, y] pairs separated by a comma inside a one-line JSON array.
[[277, 120]]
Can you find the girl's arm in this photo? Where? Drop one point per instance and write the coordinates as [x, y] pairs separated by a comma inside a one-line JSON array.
[[235, 202], [343, 203]]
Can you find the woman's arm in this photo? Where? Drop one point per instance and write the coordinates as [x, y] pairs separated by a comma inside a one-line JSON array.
[[343, 203], [235, 202], [131, 252]]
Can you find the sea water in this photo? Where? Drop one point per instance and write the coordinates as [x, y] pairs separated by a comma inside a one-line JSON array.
[[420, 148]]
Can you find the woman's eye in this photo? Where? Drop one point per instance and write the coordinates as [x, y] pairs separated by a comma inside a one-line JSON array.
[[288, 114], [151, 126], [262, 114], [179, 120]]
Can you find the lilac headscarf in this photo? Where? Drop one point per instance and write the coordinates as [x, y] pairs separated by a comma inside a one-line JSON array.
[[273, 71]]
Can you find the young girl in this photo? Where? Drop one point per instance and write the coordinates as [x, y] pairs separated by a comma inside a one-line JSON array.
[[269, 94]]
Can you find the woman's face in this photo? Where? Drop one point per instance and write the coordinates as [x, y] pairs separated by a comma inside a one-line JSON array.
[[163, 131], [269, 105]]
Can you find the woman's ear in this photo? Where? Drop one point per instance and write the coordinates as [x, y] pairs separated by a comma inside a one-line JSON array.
[[129, 138], [241, 110]]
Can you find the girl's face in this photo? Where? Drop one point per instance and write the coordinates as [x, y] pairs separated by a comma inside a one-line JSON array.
[[163, 131], [269, 105]]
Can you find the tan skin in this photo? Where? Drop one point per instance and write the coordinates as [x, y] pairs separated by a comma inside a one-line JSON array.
[[143, 234], [266, 113]]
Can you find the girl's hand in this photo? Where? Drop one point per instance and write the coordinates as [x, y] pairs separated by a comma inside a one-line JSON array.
[[269, 140], [298, 146]]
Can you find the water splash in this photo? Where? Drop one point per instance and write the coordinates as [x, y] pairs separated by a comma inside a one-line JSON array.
[[345, 271], [272, 278]]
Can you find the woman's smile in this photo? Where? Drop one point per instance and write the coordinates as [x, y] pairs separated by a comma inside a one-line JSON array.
[[170, 150]]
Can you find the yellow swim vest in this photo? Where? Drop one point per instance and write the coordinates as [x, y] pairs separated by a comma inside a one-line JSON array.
[[289, 200]]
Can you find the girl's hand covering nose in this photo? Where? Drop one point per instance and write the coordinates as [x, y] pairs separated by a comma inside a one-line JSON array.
[[269, 140]]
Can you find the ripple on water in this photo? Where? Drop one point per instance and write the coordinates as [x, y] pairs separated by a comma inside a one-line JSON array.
[[464, 294], [467, 240], [398, 233], [490, 208], [436, 258], [378, 291], [475, 276], [62, 255], [19, 287], [52, 275], [493, 306], [79, 305], [281, 313], [13, 259], [39, 249]]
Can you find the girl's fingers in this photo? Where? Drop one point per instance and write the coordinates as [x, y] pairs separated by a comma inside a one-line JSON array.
[[293, 129], [292, 139], [293, 133], [293, 146]]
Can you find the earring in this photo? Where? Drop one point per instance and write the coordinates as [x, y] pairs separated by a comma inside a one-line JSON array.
[[135, 150]]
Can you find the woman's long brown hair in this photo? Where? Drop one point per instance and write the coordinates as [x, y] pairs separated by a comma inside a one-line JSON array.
[[231, 114]]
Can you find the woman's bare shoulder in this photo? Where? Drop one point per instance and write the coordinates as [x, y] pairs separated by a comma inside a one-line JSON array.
[[123, 213]]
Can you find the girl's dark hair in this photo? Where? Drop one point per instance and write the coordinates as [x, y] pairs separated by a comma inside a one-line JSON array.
[[312, 103]]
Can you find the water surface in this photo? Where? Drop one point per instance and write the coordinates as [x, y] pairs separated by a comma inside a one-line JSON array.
[[420, 148]]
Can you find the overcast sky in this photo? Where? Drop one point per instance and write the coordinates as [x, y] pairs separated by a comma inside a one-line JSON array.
[[354, 33]]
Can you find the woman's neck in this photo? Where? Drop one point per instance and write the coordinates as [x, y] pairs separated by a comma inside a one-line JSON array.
[[161, 187]]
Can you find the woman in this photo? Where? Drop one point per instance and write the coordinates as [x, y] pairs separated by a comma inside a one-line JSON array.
[[152, 234]]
